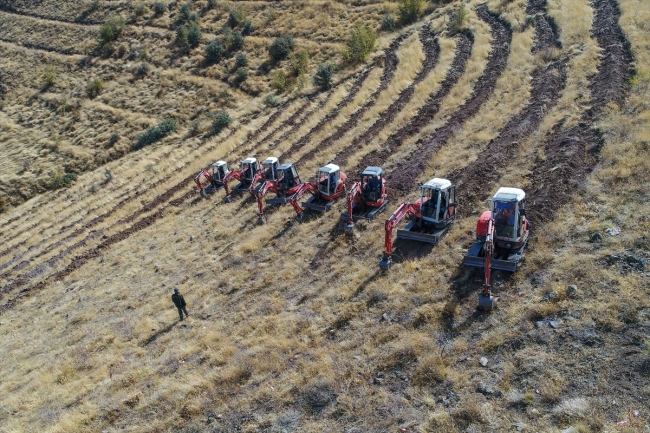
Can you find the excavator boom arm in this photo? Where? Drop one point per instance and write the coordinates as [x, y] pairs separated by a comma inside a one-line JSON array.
[[354, 196], [302, 190], [392, 221]]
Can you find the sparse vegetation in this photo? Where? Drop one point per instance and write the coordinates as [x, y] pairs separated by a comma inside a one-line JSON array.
[[324, 75], [241, 74], [388, 22], [281, 47], [156, 133], [95, 87], [279, 80], [410, 10], [214, 52], [241, 59], [140, 9], [236, 16], [271, 100], [61, 180], [48, 78], [360, 44], [220, 121], [159, 8], [299, 61], [111, 29], [247, 28], [459, 20]]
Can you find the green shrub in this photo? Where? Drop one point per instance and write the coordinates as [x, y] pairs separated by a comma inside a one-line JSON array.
[[241, 60], [214, 52], [324, 74], [236, 16], [95, 87], [140, 9], [61, 180], [48, 78], [410, 10], [247, 28], [360, 44], [220, 121], [182, 37], [142, 69], [271, 100], [241, 74], [236, 42], [460, 17], [212, 4], [194, 35], [156, 133], [281, 47], [111, 29], [387, 22], [279, 80], [185, 14], [159, 8], [299, 61]]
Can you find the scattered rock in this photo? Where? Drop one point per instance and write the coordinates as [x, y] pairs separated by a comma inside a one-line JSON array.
[[487, 390], [550, 296], [483, 361], [554, 324], [572, 291], [613, 231], [384, 317], [191, 238], [595, 237], [519, 425], [570, 429], [540, 324]]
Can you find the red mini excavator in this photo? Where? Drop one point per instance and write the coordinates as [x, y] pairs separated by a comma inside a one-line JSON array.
[[430, 217], [220, 176], [501, 236], [269, 171], [328, 187], [366, 198]]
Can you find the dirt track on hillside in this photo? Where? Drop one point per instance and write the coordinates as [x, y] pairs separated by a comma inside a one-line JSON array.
[[431, 55]]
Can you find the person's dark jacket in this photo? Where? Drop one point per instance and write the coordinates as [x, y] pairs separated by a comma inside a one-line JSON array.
[[178, 300]]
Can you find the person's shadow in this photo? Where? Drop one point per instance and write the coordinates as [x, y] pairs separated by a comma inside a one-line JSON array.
[[158, 333]]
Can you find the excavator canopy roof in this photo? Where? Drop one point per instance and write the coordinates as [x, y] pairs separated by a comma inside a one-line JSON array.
[[329, 168], [372, 171], [437, 183], [249, 161], [219, 163], [509, 194], [270, 160], [285, 166]]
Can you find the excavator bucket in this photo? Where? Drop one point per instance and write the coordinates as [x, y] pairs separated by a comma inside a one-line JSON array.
[[385, 263], [486, 302]]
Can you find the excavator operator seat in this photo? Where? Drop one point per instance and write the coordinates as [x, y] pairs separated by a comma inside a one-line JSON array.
[[249, 168], [371, 184], [219, 170], [506, 206], [287, 177], [271, 168], [435, 200], [328, 179]]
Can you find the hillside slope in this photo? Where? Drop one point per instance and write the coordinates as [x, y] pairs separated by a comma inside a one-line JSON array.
[[293, 327]]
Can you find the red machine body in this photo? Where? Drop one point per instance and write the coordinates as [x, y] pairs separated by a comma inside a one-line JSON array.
[[366, 198]]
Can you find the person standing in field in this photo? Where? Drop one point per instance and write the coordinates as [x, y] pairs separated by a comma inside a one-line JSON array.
[[180, 303]]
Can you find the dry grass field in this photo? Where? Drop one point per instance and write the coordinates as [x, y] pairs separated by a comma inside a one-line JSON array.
[[292, 325]]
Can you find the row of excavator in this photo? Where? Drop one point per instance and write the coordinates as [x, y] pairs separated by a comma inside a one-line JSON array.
[[501, 232]]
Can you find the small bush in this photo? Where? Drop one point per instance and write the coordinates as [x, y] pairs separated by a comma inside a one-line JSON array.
[[48, 78], [241, 60], [195, 128], [279, 80], [360, 44], [185, 14], [140, 9], [220, 121], [460, 17], [281, 47], [156, 133], [236, 16], [61, 180], [95, 87], [194, 35], [212, 4], [271, 100], [113, 139], [159, 8], [142, 69], [111, 29], [323, 77], [214, 52], [182, 37], [431, 370], [299, 61], [247, 28], [387, 22], [236, 42], [241, 74], [410, 10]]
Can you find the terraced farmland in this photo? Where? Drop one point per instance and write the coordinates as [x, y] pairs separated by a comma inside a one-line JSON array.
[[293, 327]]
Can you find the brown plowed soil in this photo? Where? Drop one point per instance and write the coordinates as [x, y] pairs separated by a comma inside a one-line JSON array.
[[571, 154], [403, 177], [426, 113], [431, 55], [390, 66], [473, 181], [546, 30]]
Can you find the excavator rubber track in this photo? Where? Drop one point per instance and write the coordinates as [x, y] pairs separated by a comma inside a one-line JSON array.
[[318, 204], [364, 212], [412, 232], [510, 264]]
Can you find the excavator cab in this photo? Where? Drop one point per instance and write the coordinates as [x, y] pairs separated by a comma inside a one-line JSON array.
[[219, 170], [372, 185], [328, 179], [249, 168], [437, 202], [287, 177], [509, 216], [270, 166]]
